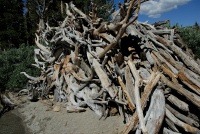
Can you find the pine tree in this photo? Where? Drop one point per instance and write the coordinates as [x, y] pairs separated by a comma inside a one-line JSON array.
[[196, 26], [12, 32]]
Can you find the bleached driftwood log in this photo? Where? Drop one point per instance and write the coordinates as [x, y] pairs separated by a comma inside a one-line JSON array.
[[137, 95], [167, 131], [180, 104], [181, 124], [182, 117], [156, 112]]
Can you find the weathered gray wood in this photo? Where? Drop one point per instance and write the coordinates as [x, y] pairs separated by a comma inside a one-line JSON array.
[[167, 131], [126, 94], [178, 103], [152, 81], [6, 100], [75, 109], [195, 99], [156, 112], [161, 32], [137, 95], [182, 117], [171, 125], [189, 61], [181, 124], [106, 83], [129, 84]]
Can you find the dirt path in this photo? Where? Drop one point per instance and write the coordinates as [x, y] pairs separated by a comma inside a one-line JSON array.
[[40, 121], [11, 123]]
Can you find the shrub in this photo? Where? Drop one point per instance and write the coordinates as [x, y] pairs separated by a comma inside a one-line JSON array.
[[12, 63], [191, 35]]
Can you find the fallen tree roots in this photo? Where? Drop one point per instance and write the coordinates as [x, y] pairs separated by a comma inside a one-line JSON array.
[[5, 104], [116, 67]]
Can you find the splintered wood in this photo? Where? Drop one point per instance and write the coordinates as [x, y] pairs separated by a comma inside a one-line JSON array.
[[116, 67]]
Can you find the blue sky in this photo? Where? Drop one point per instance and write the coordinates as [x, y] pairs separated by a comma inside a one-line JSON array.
[[183, 12]]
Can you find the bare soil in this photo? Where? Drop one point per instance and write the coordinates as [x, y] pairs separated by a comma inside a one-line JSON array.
[[39, 120]]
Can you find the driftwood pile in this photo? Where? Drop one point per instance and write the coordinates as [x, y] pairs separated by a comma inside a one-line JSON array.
[[144, 72]]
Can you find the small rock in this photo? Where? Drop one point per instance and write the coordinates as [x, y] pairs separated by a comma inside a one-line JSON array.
[[57, 108]]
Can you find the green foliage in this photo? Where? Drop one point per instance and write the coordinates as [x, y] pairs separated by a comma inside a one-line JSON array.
[[104, 8], [15, 61], [32, 20], [191, 35], [12, 31]]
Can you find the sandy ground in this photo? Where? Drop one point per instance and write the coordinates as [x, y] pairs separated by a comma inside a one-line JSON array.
[[11, 123], [40, 121]]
